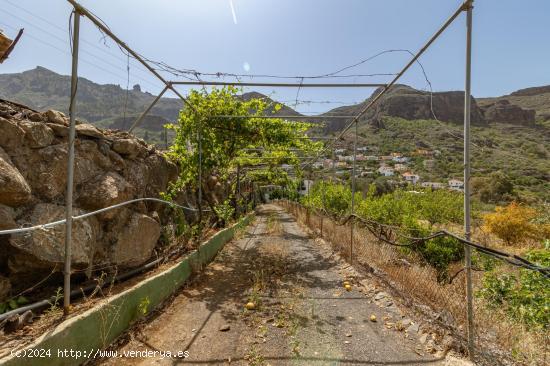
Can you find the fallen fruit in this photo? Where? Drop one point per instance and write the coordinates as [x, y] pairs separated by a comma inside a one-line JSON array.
[[346, 283], [373, 318], [250, 305], [347, 287]]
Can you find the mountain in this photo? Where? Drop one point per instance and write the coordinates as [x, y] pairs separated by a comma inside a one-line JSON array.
[[536, 99], [105, 105]]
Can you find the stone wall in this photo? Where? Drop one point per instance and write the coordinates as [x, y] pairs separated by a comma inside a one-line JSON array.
[[110, 167]]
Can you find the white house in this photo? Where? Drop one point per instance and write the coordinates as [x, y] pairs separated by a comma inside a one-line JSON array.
[[386, 171], [339, 151], [456, 184], [401, 159], [372, 158], [410, 177], [317, 165], [362, 149]]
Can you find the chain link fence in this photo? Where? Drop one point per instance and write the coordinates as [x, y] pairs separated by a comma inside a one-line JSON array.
[[500, 339]]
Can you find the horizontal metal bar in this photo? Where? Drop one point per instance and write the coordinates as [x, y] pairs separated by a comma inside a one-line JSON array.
[[281, 85], [283, 117]]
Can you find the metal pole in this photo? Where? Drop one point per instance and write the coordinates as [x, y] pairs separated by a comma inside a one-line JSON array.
[[142, 116], [353, 192], [70, 169], [467, 249], [199, 173], [238, 189], [285, 85]]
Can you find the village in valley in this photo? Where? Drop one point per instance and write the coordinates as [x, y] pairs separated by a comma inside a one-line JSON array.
[[397, 168]]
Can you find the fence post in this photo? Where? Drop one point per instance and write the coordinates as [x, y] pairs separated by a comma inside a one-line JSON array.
[[353, 193], [467, 229], [70, 169]]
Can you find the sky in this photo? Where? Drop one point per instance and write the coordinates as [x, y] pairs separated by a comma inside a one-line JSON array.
[[511, 42]]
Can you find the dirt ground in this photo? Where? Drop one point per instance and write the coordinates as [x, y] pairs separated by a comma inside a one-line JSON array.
[[303, 314]]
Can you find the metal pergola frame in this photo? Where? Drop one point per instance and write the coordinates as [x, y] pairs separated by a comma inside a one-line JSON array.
[[466, 6]]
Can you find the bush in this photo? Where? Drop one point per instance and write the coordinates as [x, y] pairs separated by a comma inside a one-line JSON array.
[[524, 297], [513, 224]]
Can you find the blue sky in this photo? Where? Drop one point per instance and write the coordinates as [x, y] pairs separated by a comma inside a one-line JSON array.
[[511, 46]]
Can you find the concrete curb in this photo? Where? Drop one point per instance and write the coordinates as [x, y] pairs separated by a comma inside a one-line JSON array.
[[97, 327]]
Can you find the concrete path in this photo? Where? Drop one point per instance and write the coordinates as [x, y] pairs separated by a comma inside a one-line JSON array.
[[303, 314]]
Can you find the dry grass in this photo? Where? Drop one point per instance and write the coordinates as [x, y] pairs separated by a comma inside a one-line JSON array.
[[417, 282]]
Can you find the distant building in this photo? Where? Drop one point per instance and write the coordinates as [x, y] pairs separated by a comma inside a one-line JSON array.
[[423, 152], [433, 185], [372, 158], [305, 187], [327, 163], [341, 164], [410, 177], [386, 158], [286, 167], [317, 165], [363, 149], [456, 184], [386, 171], [400, 167], [401, 159], [339, 151]]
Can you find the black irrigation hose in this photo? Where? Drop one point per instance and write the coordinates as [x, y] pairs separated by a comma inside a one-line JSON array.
[[512, 259]]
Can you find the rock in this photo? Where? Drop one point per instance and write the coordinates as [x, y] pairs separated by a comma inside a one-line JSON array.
[[225, 328], [412, 329], [37, 117], [59, 130], [16, 322], [7, 215], [130, 147], [504, 112], [44, 248], [136, 241], [14, 190], [424, 338], [86, 129], [5, 288], [11, 135], [117, 160], [57, 117], [106, 190], [38, 134], [381, 295]]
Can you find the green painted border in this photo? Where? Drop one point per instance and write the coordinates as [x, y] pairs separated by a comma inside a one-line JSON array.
[[100, 326]]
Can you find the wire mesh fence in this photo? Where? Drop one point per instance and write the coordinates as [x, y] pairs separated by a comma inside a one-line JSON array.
[[500, 338]]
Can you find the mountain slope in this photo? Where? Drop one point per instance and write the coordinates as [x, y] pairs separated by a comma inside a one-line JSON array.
[[536, 98]]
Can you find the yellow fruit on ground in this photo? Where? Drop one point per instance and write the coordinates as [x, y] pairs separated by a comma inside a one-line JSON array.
[[373, 318], [346, 283], [250, 305], [347, 287]]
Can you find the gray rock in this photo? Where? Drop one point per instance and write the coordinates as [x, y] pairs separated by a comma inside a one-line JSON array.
[[130, 147], [45, 248], [225, 328], [413, 329], [57, 117], [136, 241], [381, 295], [86, 129], [11, 135], [106, 190], [59, 130], [38, 134], [14, 189]]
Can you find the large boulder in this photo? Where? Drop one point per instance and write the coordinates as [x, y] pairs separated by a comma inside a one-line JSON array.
[[11, 135], [43, 249], [106, 190], [129, 147], [57, 117], [88, 130], [136, 241], [38, 134], [14, 190]]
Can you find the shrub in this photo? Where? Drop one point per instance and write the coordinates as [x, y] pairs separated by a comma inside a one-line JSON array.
[[524, 297], [513, 223]]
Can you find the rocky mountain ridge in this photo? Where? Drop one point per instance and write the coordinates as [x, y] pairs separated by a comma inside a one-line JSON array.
[[102, 104]]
